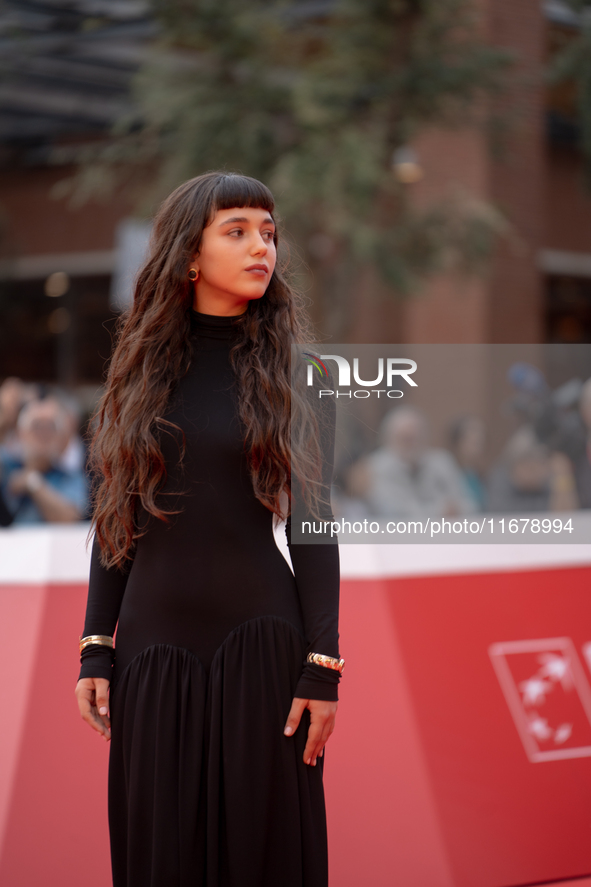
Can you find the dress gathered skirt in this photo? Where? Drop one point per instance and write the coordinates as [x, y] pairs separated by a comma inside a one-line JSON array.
[[200, 767], [213, 629]]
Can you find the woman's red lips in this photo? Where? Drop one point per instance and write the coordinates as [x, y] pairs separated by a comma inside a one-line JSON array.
[[257, 268]]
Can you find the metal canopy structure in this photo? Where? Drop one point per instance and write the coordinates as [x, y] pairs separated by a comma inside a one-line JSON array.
[[66, 68]]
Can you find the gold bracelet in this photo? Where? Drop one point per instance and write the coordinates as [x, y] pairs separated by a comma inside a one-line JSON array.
[[101, 639], [327, 661]]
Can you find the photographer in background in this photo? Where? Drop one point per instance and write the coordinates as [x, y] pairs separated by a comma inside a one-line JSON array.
[[35, 487], [14, 394], [406, 478]]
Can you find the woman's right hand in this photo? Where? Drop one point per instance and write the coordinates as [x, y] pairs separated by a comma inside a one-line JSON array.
[[93, 701]]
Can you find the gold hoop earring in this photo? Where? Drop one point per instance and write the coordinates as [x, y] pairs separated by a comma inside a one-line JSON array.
[[193, 275]]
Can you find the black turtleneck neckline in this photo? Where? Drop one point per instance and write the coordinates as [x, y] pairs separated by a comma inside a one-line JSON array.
[[214, 326]]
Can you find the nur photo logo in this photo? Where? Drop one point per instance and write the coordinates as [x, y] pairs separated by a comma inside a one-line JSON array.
[[390, 371]]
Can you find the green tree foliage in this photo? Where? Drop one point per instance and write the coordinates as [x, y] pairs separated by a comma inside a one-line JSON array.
[[314, 98]]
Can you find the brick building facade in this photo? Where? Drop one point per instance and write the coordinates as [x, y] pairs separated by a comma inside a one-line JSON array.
[[537, 288]]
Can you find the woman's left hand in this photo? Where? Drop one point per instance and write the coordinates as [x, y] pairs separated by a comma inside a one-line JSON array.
[[322, 722]]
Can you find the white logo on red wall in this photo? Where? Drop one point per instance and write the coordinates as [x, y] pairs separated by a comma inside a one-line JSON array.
[[548, 696]]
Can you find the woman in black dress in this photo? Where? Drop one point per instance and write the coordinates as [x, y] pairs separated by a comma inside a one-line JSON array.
[[216, 711]]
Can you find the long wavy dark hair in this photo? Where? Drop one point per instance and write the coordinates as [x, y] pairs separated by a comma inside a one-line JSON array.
[[152, 351]]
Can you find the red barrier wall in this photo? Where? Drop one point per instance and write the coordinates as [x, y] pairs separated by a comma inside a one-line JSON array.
[[428, 780], [55, 820]]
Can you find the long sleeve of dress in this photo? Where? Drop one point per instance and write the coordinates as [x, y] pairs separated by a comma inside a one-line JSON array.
[[317, 573], [105, 593], [6, 518]]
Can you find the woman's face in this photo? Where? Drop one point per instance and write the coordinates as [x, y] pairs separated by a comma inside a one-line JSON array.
[[235, 261]]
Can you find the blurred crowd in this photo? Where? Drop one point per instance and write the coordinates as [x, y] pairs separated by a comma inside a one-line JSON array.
[[545, 465], [43, 476]]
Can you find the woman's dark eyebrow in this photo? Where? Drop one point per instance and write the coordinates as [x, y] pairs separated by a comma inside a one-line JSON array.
[[266, 221]]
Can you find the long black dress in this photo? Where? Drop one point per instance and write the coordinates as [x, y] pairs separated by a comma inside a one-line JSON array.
[[212, 634]]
